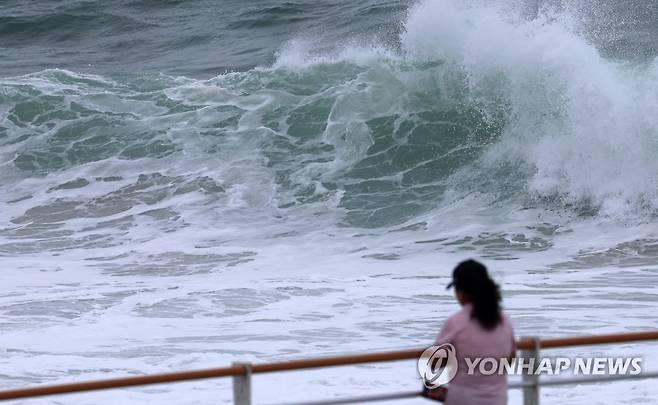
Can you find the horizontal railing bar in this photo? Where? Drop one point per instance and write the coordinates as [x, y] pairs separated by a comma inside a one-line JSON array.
[[364, 399], [515, 385], [337, 361], [415, 353], [519, 384], [582, 380], [590, 340], [552, 382], [298, 365], [120, 382], [593, 380]]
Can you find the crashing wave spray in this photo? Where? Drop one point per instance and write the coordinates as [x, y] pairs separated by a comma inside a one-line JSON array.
[[583, 127]]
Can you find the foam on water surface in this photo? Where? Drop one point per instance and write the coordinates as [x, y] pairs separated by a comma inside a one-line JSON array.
[[317, 206]]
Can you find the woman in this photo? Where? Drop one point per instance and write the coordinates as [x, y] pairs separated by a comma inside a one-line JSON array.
[[478, 330]]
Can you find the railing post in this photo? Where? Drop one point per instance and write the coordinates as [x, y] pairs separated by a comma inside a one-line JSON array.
[[242, 385], [531, 389]]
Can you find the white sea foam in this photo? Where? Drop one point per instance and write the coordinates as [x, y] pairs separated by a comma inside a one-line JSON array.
[[200, 277], [583, 124]]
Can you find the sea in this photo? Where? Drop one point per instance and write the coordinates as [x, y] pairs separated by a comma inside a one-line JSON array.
[[190, 183]]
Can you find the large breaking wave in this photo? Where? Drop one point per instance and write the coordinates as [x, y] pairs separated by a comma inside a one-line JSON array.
[[470, 103]]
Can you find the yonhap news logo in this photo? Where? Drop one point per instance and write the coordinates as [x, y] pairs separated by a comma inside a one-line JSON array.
[[438, 365]]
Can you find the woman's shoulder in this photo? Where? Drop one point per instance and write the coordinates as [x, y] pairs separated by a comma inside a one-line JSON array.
[[452, 326]]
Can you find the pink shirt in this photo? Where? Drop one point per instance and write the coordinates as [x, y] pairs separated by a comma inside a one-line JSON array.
[[472, 341]]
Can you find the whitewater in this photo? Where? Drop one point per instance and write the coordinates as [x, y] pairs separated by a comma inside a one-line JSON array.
[[316, 205]]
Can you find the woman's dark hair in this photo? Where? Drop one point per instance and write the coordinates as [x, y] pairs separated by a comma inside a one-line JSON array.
[[471, 278]]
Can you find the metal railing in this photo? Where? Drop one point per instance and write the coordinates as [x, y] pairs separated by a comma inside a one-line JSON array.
[[242, 372]]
